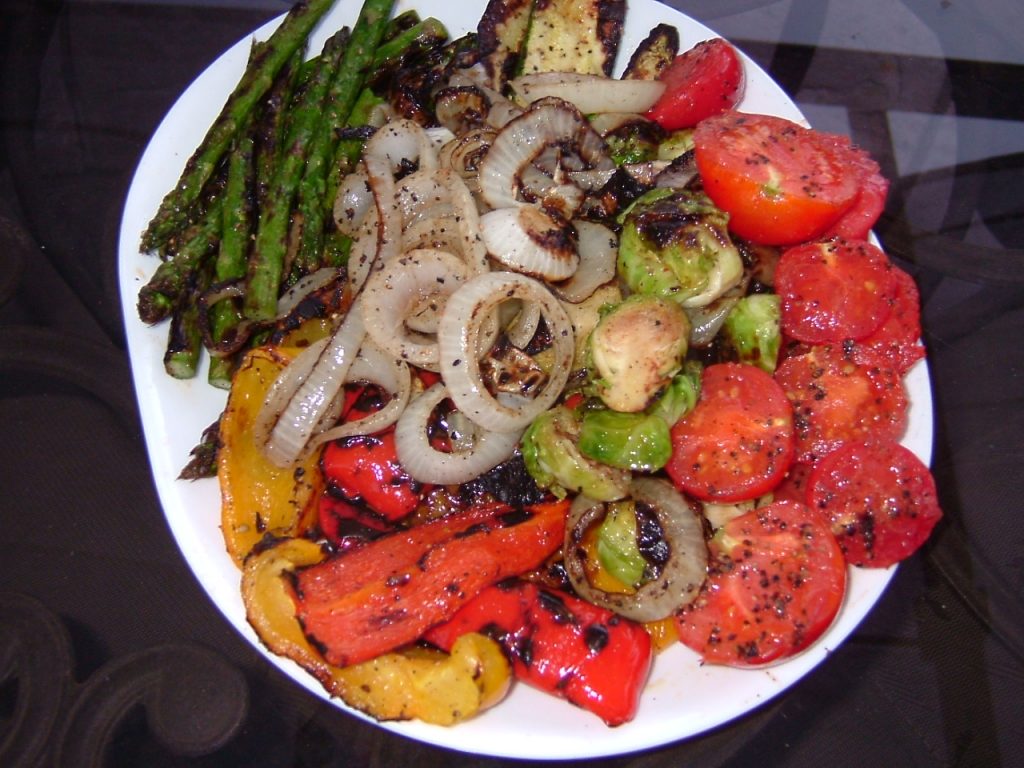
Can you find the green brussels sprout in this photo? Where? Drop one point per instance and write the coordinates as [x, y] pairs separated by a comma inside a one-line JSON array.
[[636, 441], [617, 547], [631, 138], [635, 350], [554, 461], [680, 396], [676, 144], [635, 142], [752, 331], [677, 246]]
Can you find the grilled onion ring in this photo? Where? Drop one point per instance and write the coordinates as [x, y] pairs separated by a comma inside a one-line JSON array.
[[459, 333], [681, 577]]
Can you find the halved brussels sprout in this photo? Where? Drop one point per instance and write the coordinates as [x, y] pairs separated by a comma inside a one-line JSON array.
[[753, 330], [635, 350], [678, 247], [554, 461], [636, 441], [680, 396], [617, 547]]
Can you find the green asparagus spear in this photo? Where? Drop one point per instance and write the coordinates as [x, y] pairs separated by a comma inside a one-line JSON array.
[[266, 264], [268, 128], [159, 297], [173, 215], [185, 337], [399, 24], [348, 82], [421, 37], [232, 258]]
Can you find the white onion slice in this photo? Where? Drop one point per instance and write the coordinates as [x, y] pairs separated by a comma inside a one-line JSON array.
[[284, 388], [502, 112], [464, 153], [439, 234], [428, 465], [399, 289], [422, 196], [458, 336], [598, 251], [363, 254], [525, 138], [681, 577], [523, 321], [314, 397], [473, 250], [353, 202], [394, 144], [304, 286], [374, 366], [527, 239], [590, 93]]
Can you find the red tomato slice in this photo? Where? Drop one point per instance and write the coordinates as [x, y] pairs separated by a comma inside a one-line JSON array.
[[898, 340], [367, 469], [794, 486], [704, 81], [836, 400], [776, 579], [858, 220], [737, 443], [780, 183], [880, 500], [833, 291]]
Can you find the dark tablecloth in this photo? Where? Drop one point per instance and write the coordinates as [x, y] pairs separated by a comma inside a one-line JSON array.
[[111, 653]]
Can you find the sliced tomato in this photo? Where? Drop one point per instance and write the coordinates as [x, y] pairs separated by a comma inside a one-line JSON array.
[[794, 485], [737, 443], [366, 469], [880, 500], [780, 183], [869, 204], [776, 579], [898, 340], [838, 400], [704, 81], [834, 290]]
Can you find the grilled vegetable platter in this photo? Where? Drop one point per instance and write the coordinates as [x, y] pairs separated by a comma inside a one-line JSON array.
[[526, 378]]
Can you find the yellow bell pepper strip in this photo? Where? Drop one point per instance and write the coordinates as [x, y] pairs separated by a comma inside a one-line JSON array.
[[429, 685], [258, 497], [360, 604]]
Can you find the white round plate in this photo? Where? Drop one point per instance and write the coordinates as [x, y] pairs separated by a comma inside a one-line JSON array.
[[682, 698]]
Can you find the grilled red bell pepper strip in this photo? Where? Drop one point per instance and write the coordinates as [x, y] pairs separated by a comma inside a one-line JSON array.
[[563, 645], [365, 469], [360, 604]]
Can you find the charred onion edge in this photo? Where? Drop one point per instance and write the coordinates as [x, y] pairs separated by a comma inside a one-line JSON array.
[[428, 465], [528, 239], [525, 137], [459, 333], [681, 577], [391, 293]]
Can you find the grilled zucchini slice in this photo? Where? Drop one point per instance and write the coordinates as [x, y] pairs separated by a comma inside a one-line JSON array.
[[501, 33], [654, 54], [574, 36]]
